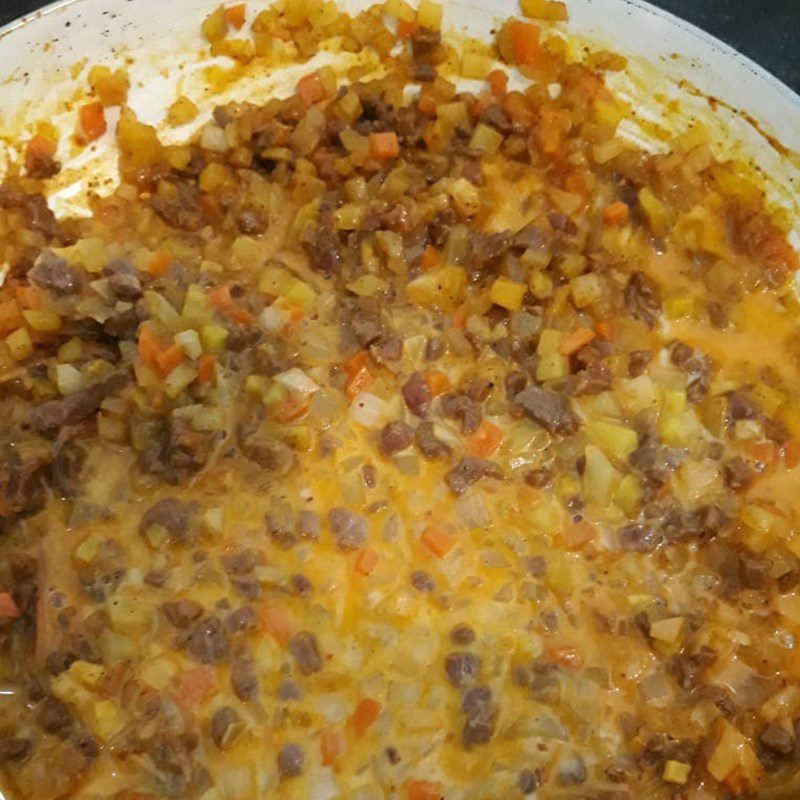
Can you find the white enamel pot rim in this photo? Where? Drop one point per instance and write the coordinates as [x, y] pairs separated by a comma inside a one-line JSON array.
[[38, 50]]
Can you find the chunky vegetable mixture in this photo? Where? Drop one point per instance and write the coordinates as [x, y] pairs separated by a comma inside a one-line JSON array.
[[395, 441]]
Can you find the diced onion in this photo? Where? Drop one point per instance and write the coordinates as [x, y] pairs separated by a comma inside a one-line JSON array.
[[322, 786], [68, 379], [297, 380], [212, 137], [272, 319], [367, 410]]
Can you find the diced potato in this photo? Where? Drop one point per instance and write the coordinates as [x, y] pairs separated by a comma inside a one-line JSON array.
[[86, 673], [429, 15], [42, 320], [552, 367], [299, 293], [616, 441], [655, 211], [110, 87], [179, 379], [610, 112], [138, 143], [667, 630], [214, 177], [466, 197], [195, 312], [541, 285], [628, 495], [486, 139], [19, 344], [399, 9], [105, 718], [189, 342], [349, 216], [768, 398], [733, 752], [88, 549], [68, 379], [476, 65], [507, 293], [607, 151], [441, 288], [637, 394], [127, 612], [215, 25], [586, 289], [549, 342], [600, 479], [365, 285], [551, 10], [679, 306], [676, 771], [213, 337], [183, 110], [673, 401], [241, 50]]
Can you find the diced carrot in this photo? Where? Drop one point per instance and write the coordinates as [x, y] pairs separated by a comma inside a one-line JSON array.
[[525, 42], [430, 257], [605, 329], [437, 382], [169, 358], [310, 89], [356, 363], [615, 213], [458, 319], [195, 685], [550, 131], [482, 102], [293, 406], [437, 540], [331, 745], [424, 790], [8, 608], [210, 205], [10, 316], [575, 183], [241, 315], [235, 15], [517, 106], [360, 382], [485, 440], [366, 561], [30, 297], [206, 368], [735, 781], [791, 454], [498, 82], [577, 534], [159, 263], [296, 312], [384, 145], [150, 348], [405, 29], [91, 122], [39, 152], [574, 340], [220, 297], [763, 453], [277, 623], [365, 713], [427, 102]]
